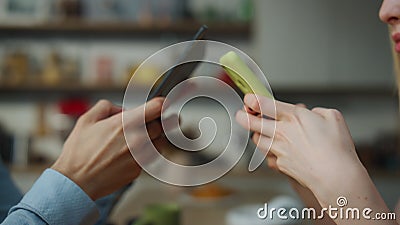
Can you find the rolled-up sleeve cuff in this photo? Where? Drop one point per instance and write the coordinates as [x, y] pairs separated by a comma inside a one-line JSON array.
[[58, 200]]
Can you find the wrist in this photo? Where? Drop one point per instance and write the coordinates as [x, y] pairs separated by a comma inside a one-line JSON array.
[[352, 189], [346, 181], [75, 176]]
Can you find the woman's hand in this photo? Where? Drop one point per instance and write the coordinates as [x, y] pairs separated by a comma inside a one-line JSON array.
[[96, 156], [314, 148], [310, 146]]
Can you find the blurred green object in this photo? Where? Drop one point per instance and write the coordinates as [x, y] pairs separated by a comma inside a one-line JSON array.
[[246, 12], [160, 214]]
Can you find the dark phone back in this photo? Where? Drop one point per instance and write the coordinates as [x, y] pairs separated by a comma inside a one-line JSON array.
[[181, 71]]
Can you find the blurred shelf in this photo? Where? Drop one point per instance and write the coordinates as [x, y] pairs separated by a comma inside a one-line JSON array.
[[278, 92], [65, 88], [325, 91], [34, 93], [125, 29]]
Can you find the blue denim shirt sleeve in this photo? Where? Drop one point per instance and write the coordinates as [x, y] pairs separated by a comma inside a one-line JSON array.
[[54, 199], [9, 193]]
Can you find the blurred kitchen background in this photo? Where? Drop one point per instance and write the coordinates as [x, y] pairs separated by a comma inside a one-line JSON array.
[[58, 57]]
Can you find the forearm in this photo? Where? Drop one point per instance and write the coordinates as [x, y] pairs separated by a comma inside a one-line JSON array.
[[23, 217], [359, 200], [53, 200], [310, 201], [397, 211]]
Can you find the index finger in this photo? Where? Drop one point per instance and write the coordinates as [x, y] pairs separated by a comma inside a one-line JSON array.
[[268, 106], [147, 112], [101, 110]]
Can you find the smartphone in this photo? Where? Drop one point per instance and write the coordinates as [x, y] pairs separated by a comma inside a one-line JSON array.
[[242, 76], [183, 71]]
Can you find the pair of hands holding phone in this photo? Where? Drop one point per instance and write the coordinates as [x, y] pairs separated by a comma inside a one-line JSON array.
[[306, 145], [311, 146]]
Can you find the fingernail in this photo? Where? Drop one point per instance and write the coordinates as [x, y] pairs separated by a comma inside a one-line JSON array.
[[249, 99]]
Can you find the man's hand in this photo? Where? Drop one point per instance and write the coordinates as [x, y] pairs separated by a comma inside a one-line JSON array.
[[95, 155]]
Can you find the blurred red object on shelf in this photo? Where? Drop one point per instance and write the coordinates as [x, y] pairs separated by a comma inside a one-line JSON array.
[[74, 107]]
